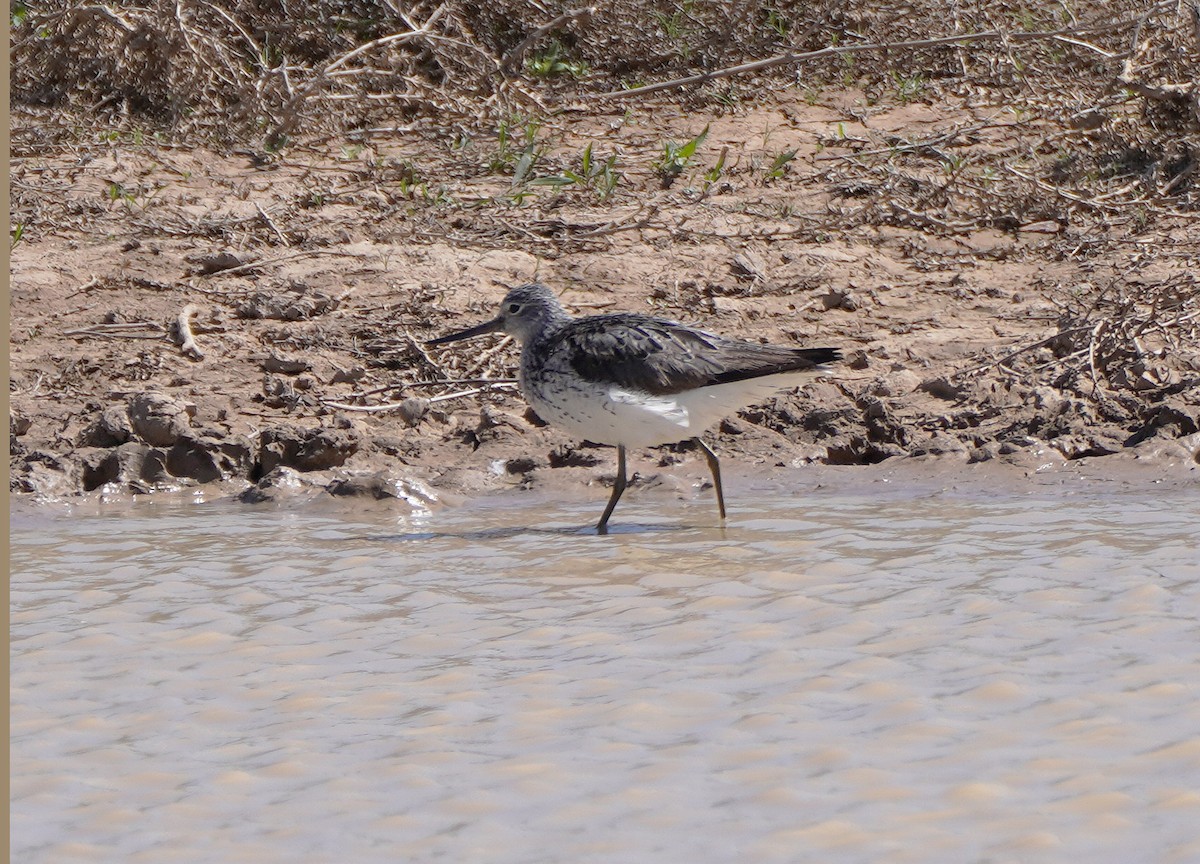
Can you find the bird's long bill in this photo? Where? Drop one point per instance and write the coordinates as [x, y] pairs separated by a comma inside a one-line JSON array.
[[493, 326]]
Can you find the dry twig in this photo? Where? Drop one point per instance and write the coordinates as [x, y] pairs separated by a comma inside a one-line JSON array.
[[291, 111], [490, 385], [121, 330], [792, 57], [513, 58]]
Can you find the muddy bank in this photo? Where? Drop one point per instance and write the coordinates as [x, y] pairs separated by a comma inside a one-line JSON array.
[[263, 323], [278, 435]]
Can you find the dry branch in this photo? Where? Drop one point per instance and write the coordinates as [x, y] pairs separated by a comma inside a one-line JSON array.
[[489, 385], [513, 58], [120, 330], [792, 57], [290, 115], [85, 287]]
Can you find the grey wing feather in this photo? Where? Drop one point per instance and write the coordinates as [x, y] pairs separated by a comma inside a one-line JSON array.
[[662, 357]]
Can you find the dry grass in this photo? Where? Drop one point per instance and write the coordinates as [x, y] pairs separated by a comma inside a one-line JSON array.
[[242, 68], [1100, 98]]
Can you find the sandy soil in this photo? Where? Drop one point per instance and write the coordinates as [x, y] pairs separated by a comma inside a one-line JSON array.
[[311, 280]]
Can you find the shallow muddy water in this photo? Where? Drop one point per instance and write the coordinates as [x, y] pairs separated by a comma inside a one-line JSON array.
[[903, 676]]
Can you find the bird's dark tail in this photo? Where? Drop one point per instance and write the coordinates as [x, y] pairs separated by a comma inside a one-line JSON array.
[[819, 355]]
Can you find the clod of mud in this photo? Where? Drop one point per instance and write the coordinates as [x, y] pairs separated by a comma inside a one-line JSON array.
[[570, 456], [47, 473], [159, 419], [412, 410], [348, 375], [111, 429], [18, 424], [285, 365], [1085, 445], [524, 464], [942, 388], [138, 467], [1173, 418], [276, 485], [295, 303], [307, 449], [129, 464], [206, 459], [897, 383], [205, 264], [380, 486], [377, 486]]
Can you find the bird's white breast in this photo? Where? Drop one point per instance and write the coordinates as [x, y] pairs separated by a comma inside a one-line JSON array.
[[605, 413]]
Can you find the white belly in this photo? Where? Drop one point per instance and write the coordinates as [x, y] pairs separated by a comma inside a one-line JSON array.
[[608, 414]]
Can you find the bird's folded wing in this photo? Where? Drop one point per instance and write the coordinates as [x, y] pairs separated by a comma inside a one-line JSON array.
[[660, 357]]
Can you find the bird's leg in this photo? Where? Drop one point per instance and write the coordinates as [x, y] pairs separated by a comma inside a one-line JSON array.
[[715, 467], [618, 488]]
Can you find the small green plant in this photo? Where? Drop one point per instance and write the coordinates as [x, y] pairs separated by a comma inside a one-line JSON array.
[[672, 25], [270, 57], [777, 23], [779, 165], [517, 148], [848, 75], [675, 157], [1025, 19], [16, 234], [713, 174], [131, 198], [955, 162], [408, 185], [518, 196], [675, 27], [117, 192], [550, 63], [525, 163], [600, 177], [519, 151], [908, 87], [438, 196], [728, 96]]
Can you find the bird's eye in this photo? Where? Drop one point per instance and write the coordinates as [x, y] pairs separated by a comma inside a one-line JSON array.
[[514, 308]]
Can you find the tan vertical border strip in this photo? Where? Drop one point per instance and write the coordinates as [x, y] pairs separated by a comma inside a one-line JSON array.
[[6, 292]]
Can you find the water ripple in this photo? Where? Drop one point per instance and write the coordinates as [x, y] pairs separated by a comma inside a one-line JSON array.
[[926, 680]]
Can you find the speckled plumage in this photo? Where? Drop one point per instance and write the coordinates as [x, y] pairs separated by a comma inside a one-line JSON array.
[[633, 380]]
